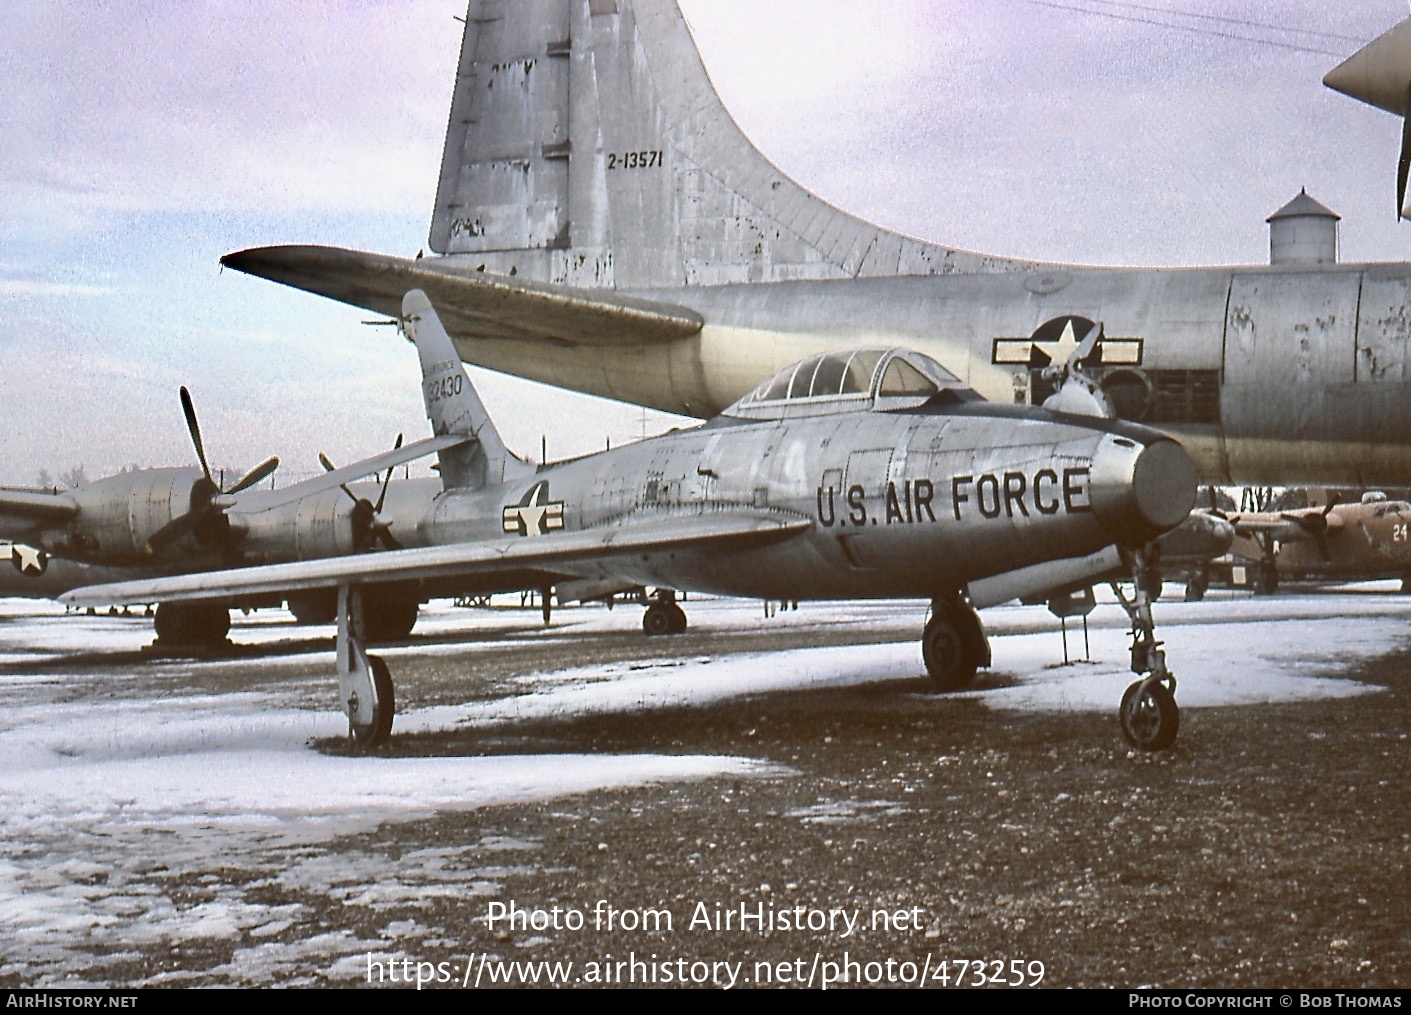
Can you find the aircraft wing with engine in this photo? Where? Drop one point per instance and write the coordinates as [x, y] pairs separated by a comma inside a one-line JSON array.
[[24, 511]]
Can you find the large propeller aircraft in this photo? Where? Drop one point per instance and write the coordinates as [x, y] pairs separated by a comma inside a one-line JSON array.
[[860, 473], [159, 521], [1366, 539], [605, 226]]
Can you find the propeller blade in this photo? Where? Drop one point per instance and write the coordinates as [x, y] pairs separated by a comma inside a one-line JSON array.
[[255, 475], [169, 533], [194, 429], [382, 497], [1323, 549], [1403, 163], [1087, 345], [329, 467]]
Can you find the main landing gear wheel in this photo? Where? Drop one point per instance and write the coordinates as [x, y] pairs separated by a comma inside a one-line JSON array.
[[664, 618], [953, 646], [389, 617], [1149, 716], [377, 732], [1197, 585], [192, 624]]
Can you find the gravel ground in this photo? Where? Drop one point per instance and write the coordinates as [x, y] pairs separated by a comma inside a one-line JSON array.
[[1268, 848]]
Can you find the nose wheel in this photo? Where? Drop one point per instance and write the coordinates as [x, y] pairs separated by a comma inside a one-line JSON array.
[[1148, 714]]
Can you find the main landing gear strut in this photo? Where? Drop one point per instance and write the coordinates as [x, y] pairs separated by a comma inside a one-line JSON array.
[[1148, 712], [364, 682]]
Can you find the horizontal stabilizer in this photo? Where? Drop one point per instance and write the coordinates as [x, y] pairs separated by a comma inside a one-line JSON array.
[[1379, 73], [472, 304], [23, 511], [350, 473], [558, 554]]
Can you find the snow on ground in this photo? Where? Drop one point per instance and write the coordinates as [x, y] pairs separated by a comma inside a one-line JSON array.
[[111, 802]]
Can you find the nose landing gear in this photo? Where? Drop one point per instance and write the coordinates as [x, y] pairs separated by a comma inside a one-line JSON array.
[[1148, 713]]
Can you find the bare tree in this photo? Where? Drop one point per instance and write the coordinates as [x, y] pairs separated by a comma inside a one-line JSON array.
[[73, 478]]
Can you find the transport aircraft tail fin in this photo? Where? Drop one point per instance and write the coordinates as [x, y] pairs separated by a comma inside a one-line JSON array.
[[452, 405], [587, 147]]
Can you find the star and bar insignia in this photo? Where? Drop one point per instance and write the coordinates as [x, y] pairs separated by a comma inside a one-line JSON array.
[[535, 514], [1054, 341], [28, 561]]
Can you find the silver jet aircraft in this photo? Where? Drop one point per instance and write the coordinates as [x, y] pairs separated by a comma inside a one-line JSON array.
[[605, 226], [858, 473]]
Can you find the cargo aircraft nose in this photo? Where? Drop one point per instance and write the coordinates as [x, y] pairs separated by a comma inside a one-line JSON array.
[[1141, 489]]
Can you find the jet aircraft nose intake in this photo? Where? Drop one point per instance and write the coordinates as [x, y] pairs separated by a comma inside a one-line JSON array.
[[1140, 491]]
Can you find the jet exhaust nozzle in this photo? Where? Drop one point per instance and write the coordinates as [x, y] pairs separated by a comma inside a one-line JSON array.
[[1140, 491]]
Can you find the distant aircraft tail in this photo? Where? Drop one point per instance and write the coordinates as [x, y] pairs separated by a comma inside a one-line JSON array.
[[587, 147], [452, 405]]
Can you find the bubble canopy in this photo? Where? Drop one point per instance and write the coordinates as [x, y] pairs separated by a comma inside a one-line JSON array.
[[847, 380]]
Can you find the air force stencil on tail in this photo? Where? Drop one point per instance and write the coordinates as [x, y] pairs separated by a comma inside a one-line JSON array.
[[535, 514], [855, 473]]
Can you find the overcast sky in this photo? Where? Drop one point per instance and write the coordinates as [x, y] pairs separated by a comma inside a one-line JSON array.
[[143, 140]]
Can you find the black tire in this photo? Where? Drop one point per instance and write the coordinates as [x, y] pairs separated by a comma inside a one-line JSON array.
[[1149, 716], [191, 623], [678, 619], [377, 732], [389, 618], [1197, 585], [1266, 579], [657, 620], [319, 607], [946, 649]]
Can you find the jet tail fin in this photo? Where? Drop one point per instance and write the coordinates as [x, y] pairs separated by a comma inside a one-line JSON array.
[[452, 405]]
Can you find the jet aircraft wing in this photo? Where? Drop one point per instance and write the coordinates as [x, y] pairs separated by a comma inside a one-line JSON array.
[[471, 303], [22, 511], [571, 554]]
